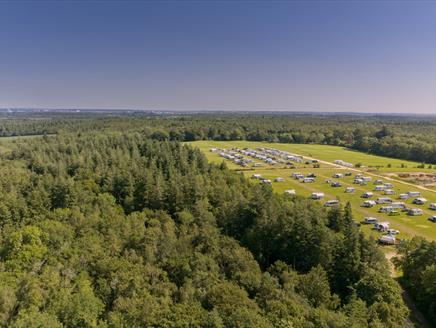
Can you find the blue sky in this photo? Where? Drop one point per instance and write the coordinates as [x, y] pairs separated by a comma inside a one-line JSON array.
[[219, 55]]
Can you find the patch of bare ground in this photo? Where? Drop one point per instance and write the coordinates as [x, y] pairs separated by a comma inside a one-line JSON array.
[[418, 178]]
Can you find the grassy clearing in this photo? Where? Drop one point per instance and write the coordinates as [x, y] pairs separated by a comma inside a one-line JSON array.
[[329, 153], [409, 226]]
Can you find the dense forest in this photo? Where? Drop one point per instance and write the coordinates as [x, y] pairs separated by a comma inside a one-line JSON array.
[[110, 221], [417, 260], [110, 229], [409, 138]]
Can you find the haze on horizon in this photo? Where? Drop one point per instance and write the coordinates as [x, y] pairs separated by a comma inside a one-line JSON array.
[[314, 56]]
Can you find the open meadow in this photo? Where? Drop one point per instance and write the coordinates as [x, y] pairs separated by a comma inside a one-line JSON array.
[[326, 155]]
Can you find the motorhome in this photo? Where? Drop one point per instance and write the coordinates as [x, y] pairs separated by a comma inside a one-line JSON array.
[[381, 226], [432, 206], [414, 193], [350, 190]]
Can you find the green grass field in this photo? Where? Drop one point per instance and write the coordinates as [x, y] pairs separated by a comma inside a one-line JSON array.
[[409, 226]]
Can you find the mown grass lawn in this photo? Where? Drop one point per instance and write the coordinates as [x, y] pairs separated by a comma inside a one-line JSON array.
[[409, 226]]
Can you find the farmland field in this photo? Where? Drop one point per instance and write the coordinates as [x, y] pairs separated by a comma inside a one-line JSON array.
[[408, 225]]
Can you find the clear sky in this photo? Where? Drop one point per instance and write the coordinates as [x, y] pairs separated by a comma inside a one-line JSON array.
[[219, 55]]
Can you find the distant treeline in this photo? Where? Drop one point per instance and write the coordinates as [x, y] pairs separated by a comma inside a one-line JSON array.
[[408, 138]]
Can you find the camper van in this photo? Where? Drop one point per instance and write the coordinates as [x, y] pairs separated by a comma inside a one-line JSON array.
[[256, 176], [414, 193], [379, 188], [388, 185], [309, 180], [331, 203], [369, 203], [419, 201], [336, 184], [317, 195], [367, 194], [415, 212], [338, 175], [432, 206], [290, 192], [370, 220], [384, 200], [398, 205], [350, 190], [389, 192], [387, 240], [378, 182], [279, 179], [386, 209], [403, 196]]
